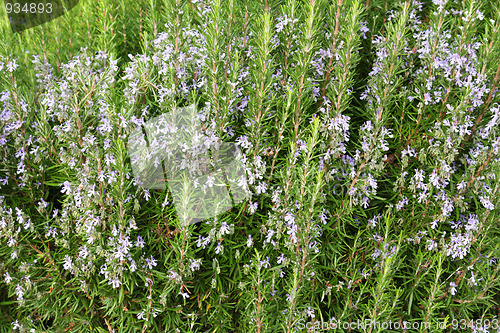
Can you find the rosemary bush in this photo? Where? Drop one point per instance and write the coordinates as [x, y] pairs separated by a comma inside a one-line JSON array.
[[370, 137]]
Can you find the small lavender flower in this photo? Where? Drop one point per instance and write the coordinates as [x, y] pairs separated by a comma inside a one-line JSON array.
[[67, 262], [249, 241], [83, 252], [7, 278], [19, 292], [140, 242], [194, 264], [252, 207], [453, 290], [150, 262], [115, 282]]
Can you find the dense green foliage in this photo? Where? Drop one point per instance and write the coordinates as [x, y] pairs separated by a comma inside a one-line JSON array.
[[370, 136]]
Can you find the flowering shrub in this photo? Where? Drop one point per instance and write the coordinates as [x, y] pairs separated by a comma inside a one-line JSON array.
[[369, 135]]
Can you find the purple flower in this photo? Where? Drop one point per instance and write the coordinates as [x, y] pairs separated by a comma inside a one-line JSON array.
[[115, 282], [453, 290], [7, 278], [364, 29], [194, 264], [120, 253], [66, 187], [249, 241], [83, 252], [252, 207], [265, 263], [12, 65], [219, 248], [19, 292], [140, 242], [434, 224], [67, 262], [150, 262], [376, 254]]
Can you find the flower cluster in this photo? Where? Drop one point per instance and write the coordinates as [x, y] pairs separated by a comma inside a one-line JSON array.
[[269, 163]]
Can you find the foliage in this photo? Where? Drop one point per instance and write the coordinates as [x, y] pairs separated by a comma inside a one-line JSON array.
[[370, 136]]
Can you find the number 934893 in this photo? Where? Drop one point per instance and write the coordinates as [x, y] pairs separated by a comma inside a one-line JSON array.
[[28, 8], [463, 324]]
